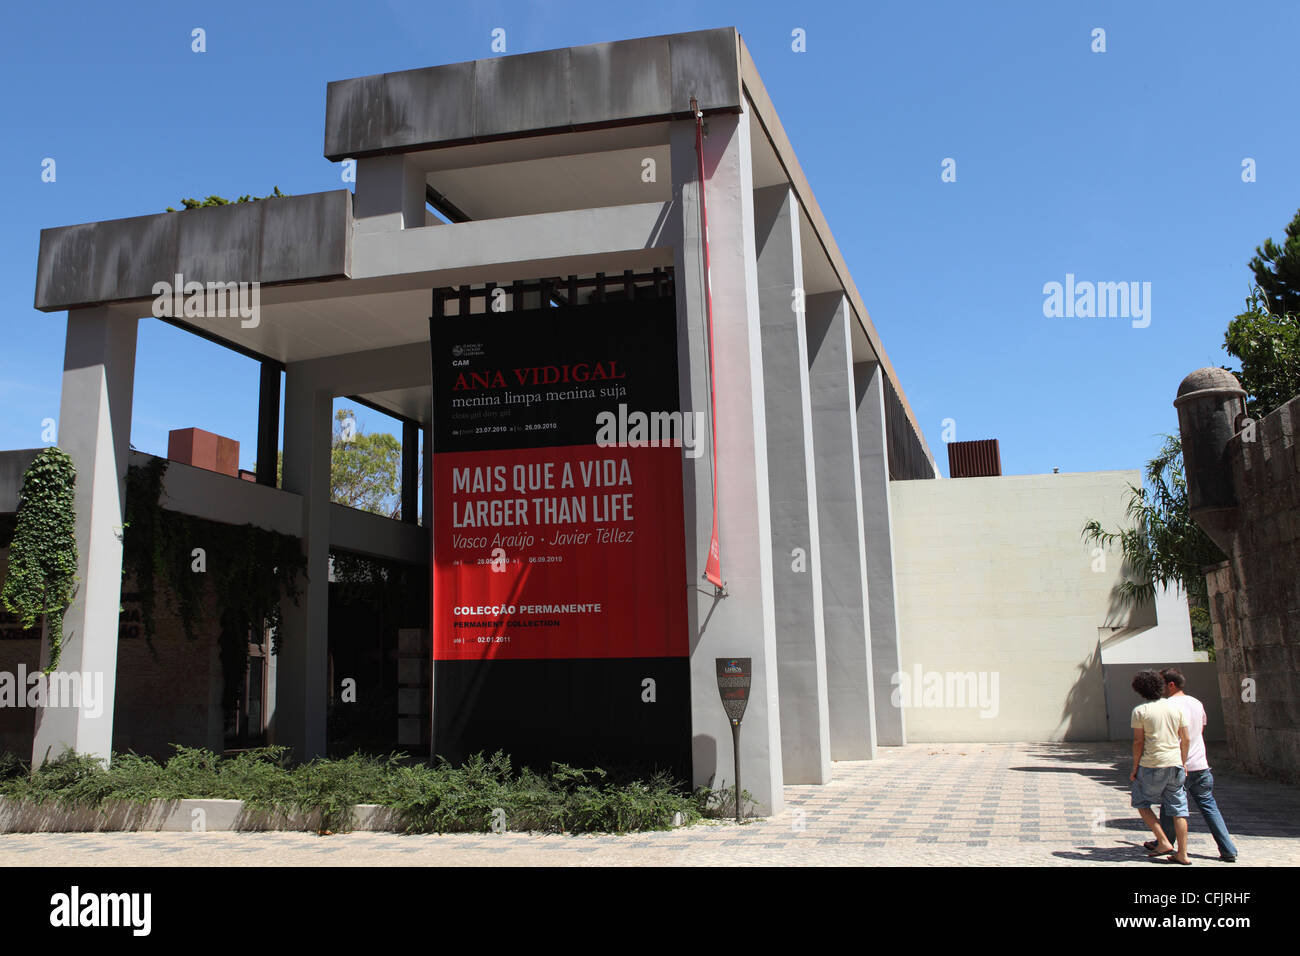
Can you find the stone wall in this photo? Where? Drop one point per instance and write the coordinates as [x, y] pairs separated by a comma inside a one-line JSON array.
[[1255, 599]]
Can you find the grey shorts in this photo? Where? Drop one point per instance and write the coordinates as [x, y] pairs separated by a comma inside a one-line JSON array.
[[1161, 786]]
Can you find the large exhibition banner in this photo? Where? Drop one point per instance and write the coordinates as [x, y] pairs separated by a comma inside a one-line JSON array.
[[558, 539]]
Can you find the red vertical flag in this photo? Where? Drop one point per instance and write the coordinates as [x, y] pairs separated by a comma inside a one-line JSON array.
[[713, 566]]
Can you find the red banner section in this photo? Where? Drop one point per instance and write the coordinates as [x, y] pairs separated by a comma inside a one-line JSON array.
[[559, 557], [562, 552]]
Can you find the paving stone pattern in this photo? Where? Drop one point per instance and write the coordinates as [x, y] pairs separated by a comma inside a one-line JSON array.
[[929, 805]]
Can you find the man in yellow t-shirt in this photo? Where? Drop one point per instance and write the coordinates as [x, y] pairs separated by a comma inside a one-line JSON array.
[[1160, 743]]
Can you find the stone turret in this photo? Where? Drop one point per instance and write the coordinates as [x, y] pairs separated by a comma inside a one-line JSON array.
[[1211, 407], [1243, 488]]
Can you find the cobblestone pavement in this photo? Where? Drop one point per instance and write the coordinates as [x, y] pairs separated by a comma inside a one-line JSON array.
[[973, 805]]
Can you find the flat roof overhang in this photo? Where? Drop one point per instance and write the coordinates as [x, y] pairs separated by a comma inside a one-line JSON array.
[[486, 132], [271, 241], [381, 302], [600, 85]]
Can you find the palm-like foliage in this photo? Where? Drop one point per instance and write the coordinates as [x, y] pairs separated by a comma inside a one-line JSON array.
[[1163, 545]]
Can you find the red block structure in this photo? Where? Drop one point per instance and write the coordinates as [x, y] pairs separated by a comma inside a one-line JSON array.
[[194, 446]]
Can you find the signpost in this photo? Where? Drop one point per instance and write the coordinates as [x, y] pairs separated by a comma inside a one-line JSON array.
[[734, 677]]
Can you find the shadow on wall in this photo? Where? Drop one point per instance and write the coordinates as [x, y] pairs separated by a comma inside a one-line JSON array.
[[1083, 717], [704, 757], [1122, 612], [1202, 683]]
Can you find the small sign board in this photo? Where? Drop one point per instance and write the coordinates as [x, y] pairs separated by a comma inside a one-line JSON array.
[[734, 677]]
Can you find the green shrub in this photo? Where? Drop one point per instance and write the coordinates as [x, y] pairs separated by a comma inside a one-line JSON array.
[[480, 795]]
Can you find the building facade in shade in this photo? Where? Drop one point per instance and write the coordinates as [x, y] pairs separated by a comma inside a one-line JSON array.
[[642, 451]]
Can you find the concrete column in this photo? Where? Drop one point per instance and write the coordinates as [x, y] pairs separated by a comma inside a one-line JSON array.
[[301, 672], [410, 472], [839, 512], [95, 430], [882, 601], [742, 623], [390, 194], [796, 574], [268, 423], [426, 481]]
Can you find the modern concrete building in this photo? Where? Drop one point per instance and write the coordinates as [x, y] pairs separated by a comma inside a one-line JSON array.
[[562, 187]]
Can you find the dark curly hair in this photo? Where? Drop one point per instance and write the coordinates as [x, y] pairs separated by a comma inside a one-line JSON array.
[[1149, 684]]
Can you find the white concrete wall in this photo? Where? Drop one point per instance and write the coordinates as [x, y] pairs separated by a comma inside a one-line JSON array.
[[994, 580], [1169, 640]]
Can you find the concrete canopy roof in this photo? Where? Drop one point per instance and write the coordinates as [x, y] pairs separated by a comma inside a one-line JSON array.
[[489, 134], [290, 239], [603, 84]]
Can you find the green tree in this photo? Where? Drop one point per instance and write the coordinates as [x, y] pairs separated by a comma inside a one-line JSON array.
[[1277, 270], [365, 469], [1268, 346], [1162, 546], [1265, 338]]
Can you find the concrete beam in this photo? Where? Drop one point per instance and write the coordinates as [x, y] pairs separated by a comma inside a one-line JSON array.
[[273, 241], [390, 194], [796, 573], [216, 497], [553, 243], [882, 599], [839, 505], [603, 84], [377, 370], [95, 430], [743, 622], [376, 536]]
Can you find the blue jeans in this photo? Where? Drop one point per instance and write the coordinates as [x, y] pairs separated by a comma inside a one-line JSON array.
[[1200, 790]]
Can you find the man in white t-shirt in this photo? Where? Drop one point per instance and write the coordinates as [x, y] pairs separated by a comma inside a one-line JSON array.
[[1160, 743], [1199, 782]]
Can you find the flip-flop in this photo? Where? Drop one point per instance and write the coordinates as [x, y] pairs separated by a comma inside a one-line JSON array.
[[1154, 852], [1149, 845], [1174, 859]]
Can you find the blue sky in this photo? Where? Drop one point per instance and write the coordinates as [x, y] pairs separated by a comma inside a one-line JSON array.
[[1116, 166]]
